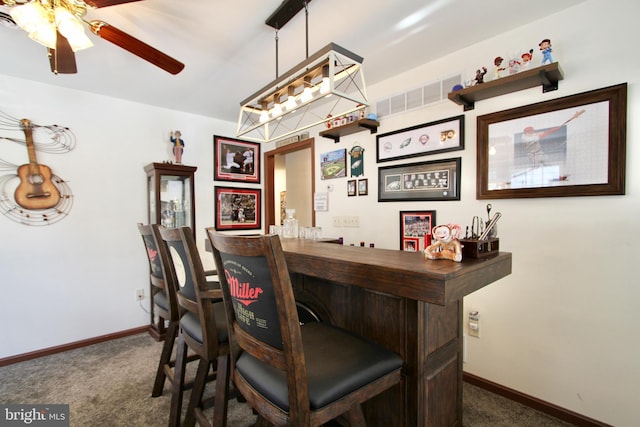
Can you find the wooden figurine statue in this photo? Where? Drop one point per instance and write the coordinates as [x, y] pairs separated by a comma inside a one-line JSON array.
[[447, 245]]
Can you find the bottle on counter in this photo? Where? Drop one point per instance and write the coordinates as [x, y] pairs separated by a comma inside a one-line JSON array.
[[290, 225]]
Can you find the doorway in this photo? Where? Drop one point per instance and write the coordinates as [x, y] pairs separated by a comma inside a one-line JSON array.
[[292, 163]]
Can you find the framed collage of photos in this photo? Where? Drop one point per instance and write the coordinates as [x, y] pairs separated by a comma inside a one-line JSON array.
[[425, 181], [415, 229]]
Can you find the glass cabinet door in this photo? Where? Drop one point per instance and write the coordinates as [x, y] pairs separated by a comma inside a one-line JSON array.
[[171, 195]]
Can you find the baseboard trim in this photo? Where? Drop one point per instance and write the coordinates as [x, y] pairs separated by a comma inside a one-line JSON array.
[[70, 346], [533, 402]]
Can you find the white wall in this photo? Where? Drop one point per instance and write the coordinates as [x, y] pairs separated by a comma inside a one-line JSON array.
[[76, 279], [562, 327]]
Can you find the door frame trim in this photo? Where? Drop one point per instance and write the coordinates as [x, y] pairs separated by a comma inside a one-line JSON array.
[[269, 184]]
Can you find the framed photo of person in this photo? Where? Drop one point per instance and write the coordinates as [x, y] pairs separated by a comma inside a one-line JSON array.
[[570, 146], [236, 160], [237, 208]]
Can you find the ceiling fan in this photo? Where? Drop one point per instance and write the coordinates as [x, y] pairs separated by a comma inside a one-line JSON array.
[[57, 24]]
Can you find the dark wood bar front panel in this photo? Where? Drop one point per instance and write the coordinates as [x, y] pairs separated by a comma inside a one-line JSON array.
[[410, 305]]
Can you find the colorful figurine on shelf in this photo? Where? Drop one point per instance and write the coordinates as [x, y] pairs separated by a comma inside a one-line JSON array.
[[545, 48], [497, 71], [447, 245], [526, 60], [178, 145], [480, 75], [514, 66]]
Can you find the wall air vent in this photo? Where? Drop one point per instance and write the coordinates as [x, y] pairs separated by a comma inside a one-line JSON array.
[[422, 96]]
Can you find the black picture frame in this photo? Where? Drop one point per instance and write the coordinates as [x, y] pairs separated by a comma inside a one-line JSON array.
[[570, 146], [239, 168], [363, 187], [351, 187], [439, 136], [437, 180]]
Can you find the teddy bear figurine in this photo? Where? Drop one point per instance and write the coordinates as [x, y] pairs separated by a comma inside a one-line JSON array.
[[447, 245]]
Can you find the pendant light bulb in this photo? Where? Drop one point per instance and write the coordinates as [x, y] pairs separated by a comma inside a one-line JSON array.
[[291, 103], [264, 115], [277, 106], [325, 86], [306, 95]]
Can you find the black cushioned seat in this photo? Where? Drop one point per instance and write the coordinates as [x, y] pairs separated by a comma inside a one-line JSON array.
[[190, 324], [160, 299], [338, 363]]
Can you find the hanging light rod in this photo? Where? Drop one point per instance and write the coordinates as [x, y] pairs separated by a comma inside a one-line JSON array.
[[283, 14]]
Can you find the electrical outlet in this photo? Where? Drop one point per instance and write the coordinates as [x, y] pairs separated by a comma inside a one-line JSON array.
[[337, 221], [139, 294], [351, 221], [474, 324]]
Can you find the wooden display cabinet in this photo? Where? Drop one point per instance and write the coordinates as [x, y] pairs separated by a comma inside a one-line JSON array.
[[171, 202], [171, 195]]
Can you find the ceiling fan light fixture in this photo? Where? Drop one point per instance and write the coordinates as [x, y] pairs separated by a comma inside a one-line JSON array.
[[45, 35], [70, 27], [29, 16]]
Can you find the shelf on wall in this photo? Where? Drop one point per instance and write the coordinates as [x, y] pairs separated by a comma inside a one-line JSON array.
[[357, 126], [545, 75]]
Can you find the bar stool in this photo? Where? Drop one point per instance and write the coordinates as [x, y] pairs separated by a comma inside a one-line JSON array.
[[291, 374]]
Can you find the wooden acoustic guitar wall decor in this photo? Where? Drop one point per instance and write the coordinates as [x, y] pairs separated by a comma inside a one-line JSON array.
[[36, 191], [34, 195]]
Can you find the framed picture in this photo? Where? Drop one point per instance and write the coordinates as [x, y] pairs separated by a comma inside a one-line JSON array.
[[237, 208], [351, 187], [435, 180], [333, 164], [363, 187], [415, 229], [571, 146], [236, 160], [421, 140]]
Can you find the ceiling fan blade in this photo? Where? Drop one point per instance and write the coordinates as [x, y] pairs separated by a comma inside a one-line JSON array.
[[137, 47], [105, 3], [62, 59]]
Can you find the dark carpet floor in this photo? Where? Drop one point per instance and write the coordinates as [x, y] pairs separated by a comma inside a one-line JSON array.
[[109, 384]]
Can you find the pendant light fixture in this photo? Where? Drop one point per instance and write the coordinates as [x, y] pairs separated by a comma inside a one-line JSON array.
[[327, 84]]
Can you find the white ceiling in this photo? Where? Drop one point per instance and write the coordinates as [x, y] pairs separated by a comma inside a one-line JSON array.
[[229, 51]]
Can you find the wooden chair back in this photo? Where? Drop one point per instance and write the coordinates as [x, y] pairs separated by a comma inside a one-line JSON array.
[[278, 365], [193, 294], [160, 278]]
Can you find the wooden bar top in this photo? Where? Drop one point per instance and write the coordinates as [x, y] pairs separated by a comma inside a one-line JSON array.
[[400, 273]]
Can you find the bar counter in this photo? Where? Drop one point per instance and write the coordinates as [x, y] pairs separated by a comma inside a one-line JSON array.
[[406, 303]]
